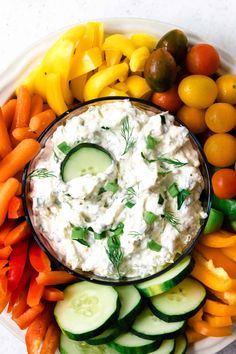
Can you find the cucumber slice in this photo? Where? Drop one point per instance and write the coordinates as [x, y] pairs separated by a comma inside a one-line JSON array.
[[181, 345], [107, 336], [87, 310], [179, 303], [148, 326], [167, 347], [128, 343], [131, 305], [167, 280], [85, 159], [214, 222], [69, 346]]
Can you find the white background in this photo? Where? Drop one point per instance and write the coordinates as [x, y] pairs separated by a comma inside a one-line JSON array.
[[22, 22]]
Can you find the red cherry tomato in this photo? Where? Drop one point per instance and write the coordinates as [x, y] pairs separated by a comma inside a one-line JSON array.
[[202, 59], [224, 183], [168, 100]]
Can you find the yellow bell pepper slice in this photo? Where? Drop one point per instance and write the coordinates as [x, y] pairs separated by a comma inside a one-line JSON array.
[[77, 86], [113, 57], [110, 91], [120, 86], [75, 33], [144, 40], [89, 60], [99, 34], [124, 77], [54, 94], [40, 82], [138, 59], [58, 60], [137, 86], [104, 78], [29, 81], [119, 42], [103, 66]]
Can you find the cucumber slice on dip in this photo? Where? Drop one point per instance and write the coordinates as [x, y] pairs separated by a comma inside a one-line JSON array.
[[85, 158]]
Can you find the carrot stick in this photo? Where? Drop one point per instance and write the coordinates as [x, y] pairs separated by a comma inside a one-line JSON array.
[[7, 191], [15, 208], [38, 259], [5, 252], [41, 121], [4, 301], [18, 158], [8, 112], [22, 112], [53, 294], [51, 341], [21, 306], [3, 281], [35, 292], [29, 316], [38, 329], [5, 229], [36, 105], [5, 143], [23, 133], [55, 277], [19, 233]]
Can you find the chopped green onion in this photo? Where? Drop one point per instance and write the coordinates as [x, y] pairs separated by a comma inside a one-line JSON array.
[[154, 246], [146, 159], [64, 147], [111, 187], [130, 204], [163, 119], [99, 236], [79, 234], [173, 190], [151, 142], [161, 200], [119, 229], [182, 195], [175, 162], [149, 217]]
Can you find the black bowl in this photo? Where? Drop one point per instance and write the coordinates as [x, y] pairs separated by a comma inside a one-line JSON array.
[[45, 244]]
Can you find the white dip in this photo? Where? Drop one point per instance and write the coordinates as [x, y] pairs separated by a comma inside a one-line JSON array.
[[59, 207]]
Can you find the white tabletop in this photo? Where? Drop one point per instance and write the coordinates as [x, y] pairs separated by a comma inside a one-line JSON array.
[[25, 21]]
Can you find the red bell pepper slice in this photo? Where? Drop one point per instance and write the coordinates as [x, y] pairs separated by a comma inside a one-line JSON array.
[[17, 264]]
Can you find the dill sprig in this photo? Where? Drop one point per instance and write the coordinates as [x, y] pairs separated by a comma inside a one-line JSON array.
[[135, 233], [114, 251], [129, 197], [171, 218], [41, 173], [174, 162], [127, 134]]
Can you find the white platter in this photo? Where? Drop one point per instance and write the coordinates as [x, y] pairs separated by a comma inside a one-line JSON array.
[[22, 65]]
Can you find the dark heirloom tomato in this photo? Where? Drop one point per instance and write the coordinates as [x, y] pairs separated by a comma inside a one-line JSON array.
[[160, 70], [176, 43]]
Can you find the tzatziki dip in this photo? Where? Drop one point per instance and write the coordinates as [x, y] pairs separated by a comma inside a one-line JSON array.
[[116, 191]]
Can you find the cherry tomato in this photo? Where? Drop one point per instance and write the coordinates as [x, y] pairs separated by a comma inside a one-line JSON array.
[[202, 59], [221, 117], [226, 85], [220, 150], [168, 100], [224, 183], [193, 118], [197, 91]]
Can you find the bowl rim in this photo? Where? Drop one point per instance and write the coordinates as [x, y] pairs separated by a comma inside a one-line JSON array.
[[91, 276]]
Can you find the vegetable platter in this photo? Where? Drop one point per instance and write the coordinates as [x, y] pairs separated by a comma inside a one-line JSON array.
[[212, 309]]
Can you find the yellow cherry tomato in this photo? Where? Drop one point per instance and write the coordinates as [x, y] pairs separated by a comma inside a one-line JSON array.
[[198, 91], [220, 150], [226, 85], [193, 118], [221, 117]]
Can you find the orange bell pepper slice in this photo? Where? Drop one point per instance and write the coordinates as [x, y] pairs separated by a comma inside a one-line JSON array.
[[15, 208], [218, 258], [53, 294], [203, 328], [196, 317], [51, 340], [193, 336], [230, 252], [20, 306], [35, 292], [38, 259], [213, 280], [218, 309], [55, 277], [24, 320], [219, 239], [228, 297], [218, 321]]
